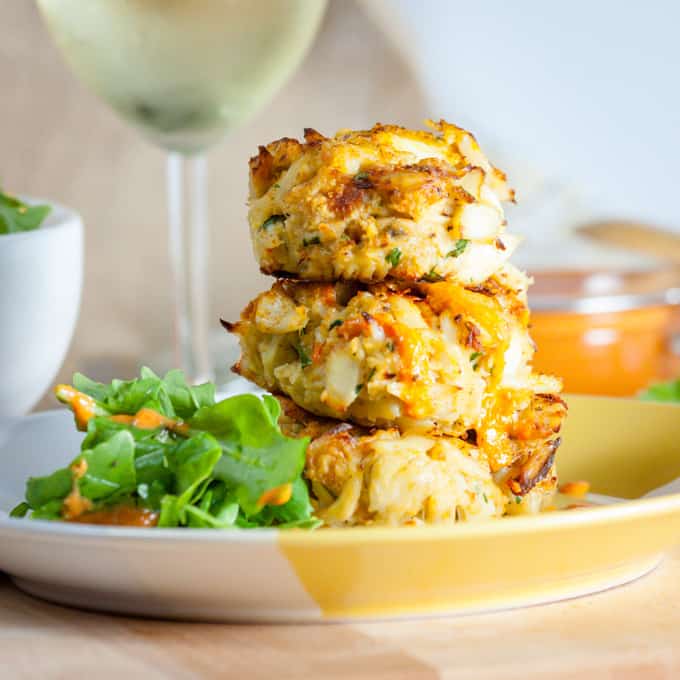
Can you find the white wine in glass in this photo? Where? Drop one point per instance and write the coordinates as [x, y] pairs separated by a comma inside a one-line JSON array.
[[185, 72]]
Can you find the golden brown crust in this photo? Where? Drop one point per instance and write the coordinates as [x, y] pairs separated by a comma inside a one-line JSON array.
[[337, 448], [341, 453], [533, 440], [401, 326], [343, 207], [270, 161], [421, 356]]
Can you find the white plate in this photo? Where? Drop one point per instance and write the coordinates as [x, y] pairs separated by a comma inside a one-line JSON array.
[[268, 575], [175, 573]]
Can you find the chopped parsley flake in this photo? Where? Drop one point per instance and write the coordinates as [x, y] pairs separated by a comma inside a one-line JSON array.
[[335, 324], [433, 276], [393, 256], [360, 176], [271, 221], [302, 355], [314, 241], [360, 386], [486, 500], [461, 245], [518, 499]]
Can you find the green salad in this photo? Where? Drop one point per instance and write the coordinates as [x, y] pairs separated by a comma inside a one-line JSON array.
[[159, 452], [663, 391], [16, 216]]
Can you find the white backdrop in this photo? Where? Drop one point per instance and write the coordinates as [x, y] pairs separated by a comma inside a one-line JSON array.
[[584, 94]]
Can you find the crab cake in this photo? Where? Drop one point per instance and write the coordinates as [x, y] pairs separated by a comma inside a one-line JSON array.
[[382, 204], [427, 356], [367, 476]]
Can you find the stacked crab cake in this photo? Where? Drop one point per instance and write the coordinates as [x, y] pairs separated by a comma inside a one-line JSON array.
[[376, 205], [397, 333]]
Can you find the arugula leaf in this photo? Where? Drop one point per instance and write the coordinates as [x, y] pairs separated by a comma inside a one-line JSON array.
[[172, 511], [20, 510], [298, 508], [173, 508], [125, 396], [160, 444], [51, 510], [204, 395], [273, 409], [193, 460], [110, 468], [16, 216], [200, 519], [218, 509], [665, 391], [256, 456], [42, 490], [150, 495], [93, 389], [171, 396], [187, 400], [151, 448], [220, 503], [152, 467], [110, 471]]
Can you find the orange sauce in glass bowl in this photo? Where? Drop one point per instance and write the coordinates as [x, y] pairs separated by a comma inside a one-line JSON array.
[[604, 332]]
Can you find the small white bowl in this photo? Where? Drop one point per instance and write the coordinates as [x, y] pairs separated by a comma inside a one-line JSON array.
[[41, 277]]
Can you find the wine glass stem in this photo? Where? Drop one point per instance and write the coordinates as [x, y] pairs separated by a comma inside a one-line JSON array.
[[188, 223]]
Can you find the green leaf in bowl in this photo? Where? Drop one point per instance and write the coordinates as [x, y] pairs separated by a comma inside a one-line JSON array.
[[17, 216]]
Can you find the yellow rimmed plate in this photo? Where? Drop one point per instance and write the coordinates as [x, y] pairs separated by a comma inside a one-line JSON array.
[[624, 448]]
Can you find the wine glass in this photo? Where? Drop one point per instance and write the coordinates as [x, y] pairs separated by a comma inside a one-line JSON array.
[[185, 72]]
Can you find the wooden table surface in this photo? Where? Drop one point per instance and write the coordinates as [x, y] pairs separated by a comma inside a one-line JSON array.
[[625, 633]]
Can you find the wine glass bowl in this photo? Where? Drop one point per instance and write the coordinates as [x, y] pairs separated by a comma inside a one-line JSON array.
[[185, 72]]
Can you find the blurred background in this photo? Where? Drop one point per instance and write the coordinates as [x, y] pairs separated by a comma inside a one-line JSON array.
[[576, 101]]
